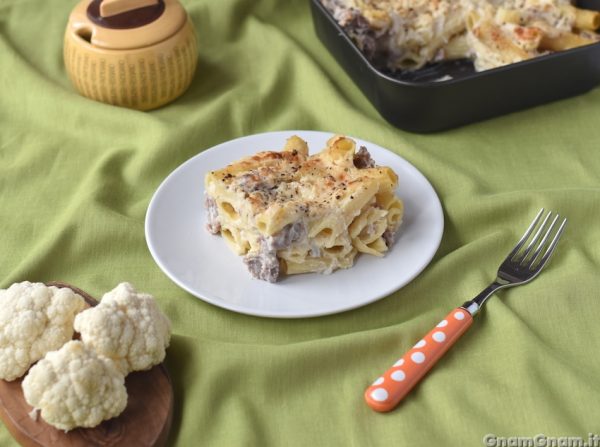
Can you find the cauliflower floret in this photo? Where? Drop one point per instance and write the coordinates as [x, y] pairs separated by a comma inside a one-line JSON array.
[[128, 327], [75, 387], [34, 319]]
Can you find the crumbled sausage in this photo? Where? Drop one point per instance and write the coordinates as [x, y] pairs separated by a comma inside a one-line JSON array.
[[263, 265], [213, 225], [389, 237], [253, 182], [357, 26], [362, 159], [288, 235]]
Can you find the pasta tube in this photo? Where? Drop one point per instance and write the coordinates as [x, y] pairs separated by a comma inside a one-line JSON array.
[[564, 41], [586, 19], [457, 48]]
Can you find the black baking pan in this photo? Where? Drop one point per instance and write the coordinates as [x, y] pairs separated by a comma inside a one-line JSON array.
[[416, 102]]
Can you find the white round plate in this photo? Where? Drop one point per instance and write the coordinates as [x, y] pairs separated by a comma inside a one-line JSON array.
[[203, 264]]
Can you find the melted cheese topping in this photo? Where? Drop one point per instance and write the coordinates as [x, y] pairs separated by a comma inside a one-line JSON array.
[[269, 180]]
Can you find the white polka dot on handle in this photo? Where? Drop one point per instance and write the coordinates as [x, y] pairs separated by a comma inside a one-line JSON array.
[[459, 315], [378, 381], [417, 357], [398, 375], [379, 394], [420, 344], [439, 336], [399, 362], [443, 323]]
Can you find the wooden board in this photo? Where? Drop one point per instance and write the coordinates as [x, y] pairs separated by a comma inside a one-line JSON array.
[[146, 420]]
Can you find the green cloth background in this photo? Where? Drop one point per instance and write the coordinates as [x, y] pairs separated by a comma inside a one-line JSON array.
[[76, 177]]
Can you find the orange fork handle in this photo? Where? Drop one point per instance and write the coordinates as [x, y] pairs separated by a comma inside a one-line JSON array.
[[389, 389]]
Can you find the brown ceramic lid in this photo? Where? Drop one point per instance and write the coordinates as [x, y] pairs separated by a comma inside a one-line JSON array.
[[127, 24]]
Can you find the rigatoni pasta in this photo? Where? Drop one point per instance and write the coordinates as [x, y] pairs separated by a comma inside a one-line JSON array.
[[288, 212], [407, 34]]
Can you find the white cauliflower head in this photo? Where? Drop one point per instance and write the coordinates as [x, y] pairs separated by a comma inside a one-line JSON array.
[[75, 387], [34, 319], [128, 327]]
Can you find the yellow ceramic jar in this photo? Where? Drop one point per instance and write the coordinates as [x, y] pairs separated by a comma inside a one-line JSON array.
[[139, 54]]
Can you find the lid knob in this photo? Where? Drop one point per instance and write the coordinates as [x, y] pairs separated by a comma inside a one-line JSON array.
[[110, 8], [125, 14]]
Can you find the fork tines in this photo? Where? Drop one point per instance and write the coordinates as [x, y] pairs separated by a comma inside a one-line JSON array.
[[545, 238]]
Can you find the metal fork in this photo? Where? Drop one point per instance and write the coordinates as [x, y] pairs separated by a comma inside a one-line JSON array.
[[521, 266]]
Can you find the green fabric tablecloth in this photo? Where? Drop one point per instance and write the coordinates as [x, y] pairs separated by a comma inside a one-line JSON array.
[[76, 177]]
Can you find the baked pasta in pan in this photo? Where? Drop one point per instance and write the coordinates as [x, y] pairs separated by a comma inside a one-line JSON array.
[[287, 212], [407, 34]]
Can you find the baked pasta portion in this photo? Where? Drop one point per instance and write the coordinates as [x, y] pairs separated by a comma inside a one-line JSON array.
[[407, 34], [287, 212]]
